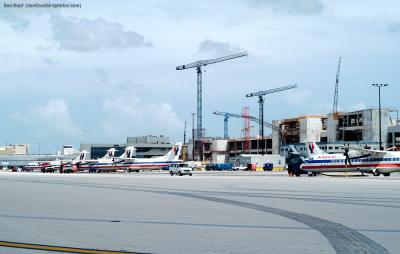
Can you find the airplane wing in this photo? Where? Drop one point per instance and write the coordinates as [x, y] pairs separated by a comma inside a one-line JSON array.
[[377, 153]]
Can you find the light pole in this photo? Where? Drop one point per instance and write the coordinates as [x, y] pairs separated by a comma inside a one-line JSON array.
[[380, 114]]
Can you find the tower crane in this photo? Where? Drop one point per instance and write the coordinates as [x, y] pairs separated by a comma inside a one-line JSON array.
[[260, 95], [335, 97], [226, 115], [198, 65]]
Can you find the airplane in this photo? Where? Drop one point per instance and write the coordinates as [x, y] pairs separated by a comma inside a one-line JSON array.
[[34, 165], [65, 166], [362, 160], [170, 158], [107, 162]]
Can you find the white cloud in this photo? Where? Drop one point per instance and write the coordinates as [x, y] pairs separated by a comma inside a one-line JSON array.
[[51, 118], [103, 75], [308, 7], [127, 114], [17, 22], [216, 48], [20, 19], [358, 106], [49, 61], [89, 35], [297, 97], [394, 27]]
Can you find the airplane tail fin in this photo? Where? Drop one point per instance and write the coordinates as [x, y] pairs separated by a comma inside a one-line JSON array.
[[313, 149], [175, 152], [129, 152], [82, 156], [110, 153]]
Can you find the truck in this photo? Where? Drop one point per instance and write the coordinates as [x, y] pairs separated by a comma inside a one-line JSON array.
[[180, 169]]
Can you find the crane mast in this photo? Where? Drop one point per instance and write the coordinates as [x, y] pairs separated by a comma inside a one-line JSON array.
[[198, 65], [260, 96], [335, 97]]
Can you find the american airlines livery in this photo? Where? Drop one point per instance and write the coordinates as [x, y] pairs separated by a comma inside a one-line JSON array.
[[172, 157], [127, 162], [361, 160]]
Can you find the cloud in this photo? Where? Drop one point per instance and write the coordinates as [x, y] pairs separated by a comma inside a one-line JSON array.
[[49, 61], [358, 106], [394, 27], [18, 22], [216, 48], [297, 97], [127, 113], [21, 19], [296, 7], [102, 75], [51, 118], [86, 35]]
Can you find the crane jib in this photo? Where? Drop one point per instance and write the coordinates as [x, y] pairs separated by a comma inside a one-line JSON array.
[[210, 61]]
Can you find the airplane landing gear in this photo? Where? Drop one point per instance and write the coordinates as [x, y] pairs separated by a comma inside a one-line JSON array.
[[376, 173]]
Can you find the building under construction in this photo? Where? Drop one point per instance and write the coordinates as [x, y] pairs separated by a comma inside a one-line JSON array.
[[331, 130]]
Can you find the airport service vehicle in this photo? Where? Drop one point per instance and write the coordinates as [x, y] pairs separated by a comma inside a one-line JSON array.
[[180, 169], [240, 167], [294, 161], [371, 161], [219, 166]]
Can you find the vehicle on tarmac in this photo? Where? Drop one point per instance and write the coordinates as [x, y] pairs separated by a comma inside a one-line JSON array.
[[353, 159], [294, 160], [240, 167], [180, 169]]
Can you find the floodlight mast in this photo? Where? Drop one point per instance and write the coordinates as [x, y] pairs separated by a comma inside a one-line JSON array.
[[260, 95], [198, 65]]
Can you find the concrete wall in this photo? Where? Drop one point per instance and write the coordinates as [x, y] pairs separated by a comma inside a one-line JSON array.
[[371, 125], [148, 140], [219, 150], [244, 159], [310, 129], [276, 141], [332, 125]]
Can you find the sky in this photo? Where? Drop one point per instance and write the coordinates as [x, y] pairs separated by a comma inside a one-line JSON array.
[[106, 71]]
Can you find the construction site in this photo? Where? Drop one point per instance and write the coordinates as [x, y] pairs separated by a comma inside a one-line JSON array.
[[375, 128]]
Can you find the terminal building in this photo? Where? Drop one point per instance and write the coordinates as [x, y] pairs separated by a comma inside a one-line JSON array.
[[146, 147], [21, 149], [18, 155]]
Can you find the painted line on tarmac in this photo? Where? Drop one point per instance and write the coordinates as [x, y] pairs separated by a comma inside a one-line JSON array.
[[32, 246], [343, 239]]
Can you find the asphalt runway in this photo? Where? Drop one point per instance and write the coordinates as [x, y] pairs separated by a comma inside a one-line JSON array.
[[210, 212]]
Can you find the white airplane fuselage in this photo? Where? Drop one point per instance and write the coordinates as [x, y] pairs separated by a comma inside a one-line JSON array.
[[386, 163]]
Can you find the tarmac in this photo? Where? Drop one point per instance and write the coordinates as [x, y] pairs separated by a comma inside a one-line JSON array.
[[209, 212]]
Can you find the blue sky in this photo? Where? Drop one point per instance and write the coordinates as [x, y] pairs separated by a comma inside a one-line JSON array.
[[109, 67]]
